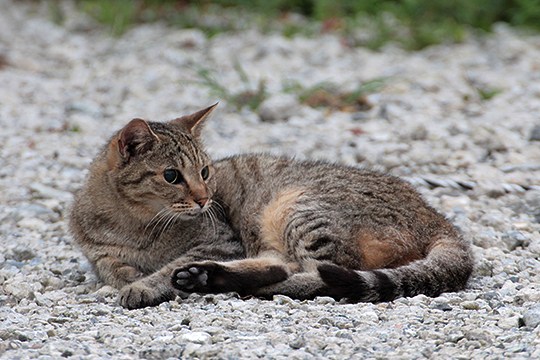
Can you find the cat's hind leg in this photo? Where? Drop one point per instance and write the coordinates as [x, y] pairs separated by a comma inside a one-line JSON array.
[[302, 286], [242, 276]]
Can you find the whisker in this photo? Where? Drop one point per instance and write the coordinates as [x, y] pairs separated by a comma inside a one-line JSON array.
[[151, 221], [219, 208], [211, 216], [176, 217], [156, 220], [223, 201], [159, 228], [170, 218]]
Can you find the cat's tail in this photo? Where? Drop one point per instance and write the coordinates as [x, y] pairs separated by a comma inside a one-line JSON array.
[[446, 268]]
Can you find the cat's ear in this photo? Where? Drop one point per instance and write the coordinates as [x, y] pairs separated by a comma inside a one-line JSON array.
[[134, 139], [193, 123]]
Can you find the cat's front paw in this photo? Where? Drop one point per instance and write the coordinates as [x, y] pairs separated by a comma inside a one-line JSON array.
[[139, 294], [193, 277]]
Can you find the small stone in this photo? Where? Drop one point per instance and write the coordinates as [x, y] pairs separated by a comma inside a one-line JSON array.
[[106, 291], [197, 337], [324, 300], [23, 254], [535, 133], [156, 352], [529, 295], [67, 353], [176, 327], [53, 283], [20, 290], [85, 107], [188, 38], [443, 306], [35, 211], [419, 132], [508, 322], [326, 321], [491, 295], [370, 316], [49, 192], [58, 320], [297, 342], [470, 305], [531, 317], [454, 336], [284, 300], [213, 330], [348, 324], [33, 224], [486, 239], [514, 239], [420, 299], [278, 108], [344, 334]]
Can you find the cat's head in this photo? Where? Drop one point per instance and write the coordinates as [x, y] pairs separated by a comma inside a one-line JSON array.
[[161, 168]]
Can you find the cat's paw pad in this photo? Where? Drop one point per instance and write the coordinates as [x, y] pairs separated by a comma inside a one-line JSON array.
[[189, 278], [193, 277], [139, 295]]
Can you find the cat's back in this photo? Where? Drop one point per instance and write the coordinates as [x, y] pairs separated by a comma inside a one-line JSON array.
[[269, 173], [251, 181]]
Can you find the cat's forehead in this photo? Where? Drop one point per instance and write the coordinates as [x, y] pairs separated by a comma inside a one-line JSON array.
[[168, 130], [177, 145]]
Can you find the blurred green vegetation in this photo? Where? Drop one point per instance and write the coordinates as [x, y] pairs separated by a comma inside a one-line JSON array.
[[249, 96], [331, 96], [414, 24]]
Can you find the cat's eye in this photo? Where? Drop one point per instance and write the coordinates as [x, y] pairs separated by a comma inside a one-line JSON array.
[[205, 172], [173, 176]]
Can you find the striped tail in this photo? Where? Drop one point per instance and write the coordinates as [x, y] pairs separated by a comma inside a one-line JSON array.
[[445, 269]]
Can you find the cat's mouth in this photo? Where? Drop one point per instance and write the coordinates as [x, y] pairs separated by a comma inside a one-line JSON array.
[[169, 215], [191, 210]]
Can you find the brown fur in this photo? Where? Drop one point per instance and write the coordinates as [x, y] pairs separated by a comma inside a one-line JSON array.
[[315, 215], [133, 226], [274, 220], [259, 224]]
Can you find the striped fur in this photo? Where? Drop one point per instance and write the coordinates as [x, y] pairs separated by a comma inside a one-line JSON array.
[[338, 231], [258, 225], [134, 227]]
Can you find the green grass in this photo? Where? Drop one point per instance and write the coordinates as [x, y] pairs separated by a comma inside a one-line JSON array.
[[323, 95], [56, 13], [331, 96], [414, 24], [249, 96], [118, 15], [488, 93]]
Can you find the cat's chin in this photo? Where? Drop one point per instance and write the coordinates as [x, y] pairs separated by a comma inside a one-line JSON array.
[[193, 214]]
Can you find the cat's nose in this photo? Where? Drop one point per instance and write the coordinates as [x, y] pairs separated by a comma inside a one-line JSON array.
[[201, 201]]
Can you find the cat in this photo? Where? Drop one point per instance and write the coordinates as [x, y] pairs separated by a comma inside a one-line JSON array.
[[274, 225]]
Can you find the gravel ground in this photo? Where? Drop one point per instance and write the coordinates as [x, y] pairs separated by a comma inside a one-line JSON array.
[[63, 90]]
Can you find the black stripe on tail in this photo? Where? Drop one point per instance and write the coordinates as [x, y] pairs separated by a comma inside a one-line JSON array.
[[349, 284], [430, 276]]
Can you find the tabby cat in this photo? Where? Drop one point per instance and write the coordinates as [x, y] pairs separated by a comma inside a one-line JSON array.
[[157, 218]]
